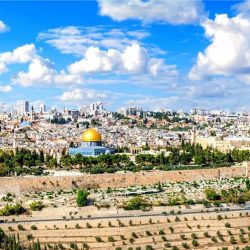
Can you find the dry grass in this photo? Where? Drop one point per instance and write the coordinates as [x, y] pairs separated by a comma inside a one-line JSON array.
[[161, 232]]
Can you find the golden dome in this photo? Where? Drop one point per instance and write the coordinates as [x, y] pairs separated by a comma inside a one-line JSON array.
[[90, 135]]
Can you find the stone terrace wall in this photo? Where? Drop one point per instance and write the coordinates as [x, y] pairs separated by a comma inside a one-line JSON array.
[[117, 180]]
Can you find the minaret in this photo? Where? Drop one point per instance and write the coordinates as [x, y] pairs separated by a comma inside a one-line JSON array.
[[32, 113]]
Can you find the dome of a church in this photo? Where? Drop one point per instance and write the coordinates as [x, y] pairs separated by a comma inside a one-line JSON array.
[[91, 135]]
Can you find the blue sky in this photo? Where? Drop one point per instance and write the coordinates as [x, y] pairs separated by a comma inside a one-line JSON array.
[[155, 54]]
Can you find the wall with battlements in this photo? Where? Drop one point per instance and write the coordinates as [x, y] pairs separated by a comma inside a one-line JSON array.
[[117, 180]]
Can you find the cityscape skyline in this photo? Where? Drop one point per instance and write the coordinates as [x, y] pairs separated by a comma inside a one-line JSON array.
[[124, 124], [184, 57]]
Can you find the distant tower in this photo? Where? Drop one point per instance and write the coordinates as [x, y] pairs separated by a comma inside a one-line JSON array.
[[32, 113], [42, 109]]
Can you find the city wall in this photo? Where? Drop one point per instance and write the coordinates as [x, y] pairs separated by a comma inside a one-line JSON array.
[[117, 180]]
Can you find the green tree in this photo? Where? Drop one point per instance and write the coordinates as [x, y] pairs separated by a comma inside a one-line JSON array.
[[82, 197]]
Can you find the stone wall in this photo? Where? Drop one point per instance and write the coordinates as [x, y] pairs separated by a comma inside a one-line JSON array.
[[117, 180]]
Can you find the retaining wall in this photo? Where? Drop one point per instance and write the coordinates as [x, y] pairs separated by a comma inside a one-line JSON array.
[[116, 180]]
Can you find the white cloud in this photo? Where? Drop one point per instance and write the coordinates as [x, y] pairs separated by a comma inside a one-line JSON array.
[[82, 96], [95, 60], [23, 54], [3, 68], [67, 78], [229, 51], [133, 60], [109, 50], [243, 7], [40, 70], [76, 40], [167, 11], [3, 27], [154, 103], [5, 89], [157, 67]]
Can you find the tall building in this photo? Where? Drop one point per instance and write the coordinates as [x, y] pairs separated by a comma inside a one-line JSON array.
[[136, 111], [22, 107], [42, 108], [92, 109]]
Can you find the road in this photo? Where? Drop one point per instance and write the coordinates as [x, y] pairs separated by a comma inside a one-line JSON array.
[[127, 216]]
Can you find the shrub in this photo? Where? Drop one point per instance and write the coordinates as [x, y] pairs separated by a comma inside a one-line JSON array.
[[183, 237], [88, 225], [60, 246], [30, 237], [164, 238], [73, 245], [185, 245], [219, 217], [194, 236], [232, 240], [137, 203], [167, 245], [111, 239], [177, 219], [242, 239], [211, 194], [134, 235], [82, 198], [33, 227], [214, 239], [36, 206], [161, 232], [206, 234], [123, 237], [20, 227], [131, 240], [195, 243], [85, 246], [12, 210], [98, 239], [175, 248], [227, 225]]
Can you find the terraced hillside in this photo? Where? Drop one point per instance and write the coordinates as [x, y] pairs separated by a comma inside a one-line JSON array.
[[217, 230]]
